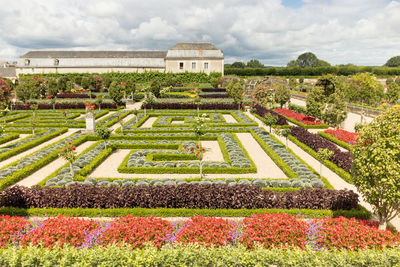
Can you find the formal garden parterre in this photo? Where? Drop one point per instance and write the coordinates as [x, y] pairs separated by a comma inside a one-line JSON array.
[[154, 163]]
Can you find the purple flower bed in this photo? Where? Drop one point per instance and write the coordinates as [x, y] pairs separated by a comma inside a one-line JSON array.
[[190, 106], [213, 90], [175, 196], [62, 106], [215, 96], [315, 141], [262, 111], [66, 95]]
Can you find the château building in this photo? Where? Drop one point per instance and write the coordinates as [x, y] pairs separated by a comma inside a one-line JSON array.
[[191, 57]]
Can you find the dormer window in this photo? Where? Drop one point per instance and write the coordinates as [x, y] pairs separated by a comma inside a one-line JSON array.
[[27, 62], [56, 62]]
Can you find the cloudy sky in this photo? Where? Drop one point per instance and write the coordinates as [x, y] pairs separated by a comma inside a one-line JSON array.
[[362, 32]]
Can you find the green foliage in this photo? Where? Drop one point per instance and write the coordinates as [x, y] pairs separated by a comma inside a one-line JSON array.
[[366, 89], [270, 120], [292, 83], [334, 111], [107, 81], [27, 89], [376, 164], [393, 62], [315, 102], [130, 87], [254, 63], [282, 93], [115, 92], [235, 89], [392, 93], [62, 83], [85, 83], [52, 86], [214, 82], [238, 64], [155, 87], [307, 59], [104, 133]]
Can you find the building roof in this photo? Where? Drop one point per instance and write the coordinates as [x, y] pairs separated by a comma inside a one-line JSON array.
[[194, 46], [94, 54], [8, 72]]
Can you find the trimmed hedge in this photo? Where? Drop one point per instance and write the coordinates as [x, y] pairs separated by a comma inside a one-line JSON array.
[[191, 196], [196, 255], [62, 106], [262, 111], [9, 138]]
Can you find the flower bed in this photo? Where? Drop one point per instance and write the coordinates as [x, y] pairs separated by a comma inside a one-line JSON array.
[[262, 111], [62, 106], [268, 230], [190, 106], [308, 120], [213, 90], [343, 135], [71, 95], [214, 96], [214, 196], [315, 142]]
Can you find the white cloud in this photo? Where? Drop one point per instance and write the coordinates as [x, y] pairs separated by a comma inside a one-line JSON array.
[[339, 31]]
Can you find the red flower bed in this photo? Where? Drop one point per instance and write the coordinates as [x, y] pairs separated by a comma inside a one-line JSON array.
[[269, 230], [137, 231], [61, 231], [274, 230], [343, 135], [206, 231], [10, 227], [298, 117], [352, 234]]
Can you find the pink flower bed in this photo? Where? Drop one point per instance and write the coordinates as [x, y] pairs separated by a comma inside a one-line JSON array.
[[298, 117]]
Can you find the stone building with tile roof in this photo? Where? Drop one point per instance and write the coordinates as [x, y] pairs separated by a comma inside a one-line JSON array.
[[192, 57]]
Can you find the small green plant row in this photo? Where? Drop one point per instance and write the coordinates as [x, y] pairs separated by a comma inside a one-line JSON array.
[[29, 142], [273, 126], [14, 117], [8, 137], [332, 166], [335, 140], [16, 171], [113, 118], [360, 213]]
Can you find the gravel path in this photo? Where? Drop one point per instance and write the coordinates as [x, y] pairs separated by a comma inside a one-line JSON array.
[[229, 118], [117, 125], [148, 123], [45, 171], [36, 148]]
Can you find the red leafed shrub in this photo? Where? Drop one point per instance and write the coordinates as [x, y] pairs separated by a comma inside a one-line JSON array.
[[208, 231], [136, 231], [343, 233], [61, 231], [298, 117], [274, 230], [10, 227], [343, 135]]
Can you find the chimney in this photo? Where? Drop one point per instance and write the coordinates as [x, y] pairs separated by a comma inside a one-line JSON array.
[[201, 51]]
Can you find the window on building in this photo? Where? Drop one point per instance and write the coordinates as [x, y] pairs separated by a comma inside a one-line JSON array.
[[27, 62], [181, 65], [56, 61], [206, 65], [193, 65]]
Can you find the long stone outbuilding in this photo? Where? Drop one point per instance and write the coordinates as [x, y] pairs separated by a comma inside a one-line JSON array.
[[191, 57]]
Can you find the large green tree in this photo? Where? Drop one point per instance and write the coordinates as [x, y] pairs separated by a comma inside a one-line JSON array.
[[235, 89], [334, 111], [238, 64], [27, 89], [254, 63], [281, 93], [392, 93], [115, 92], [365, 88], [393, 62], [315, 102], [376, 165], [307, 59]]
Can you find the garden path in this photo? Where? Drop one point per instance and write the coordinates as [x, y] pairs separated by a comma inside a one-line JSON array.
[[117, 125], [229, 118], [36, 148], [336, 181], [42, 173]]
